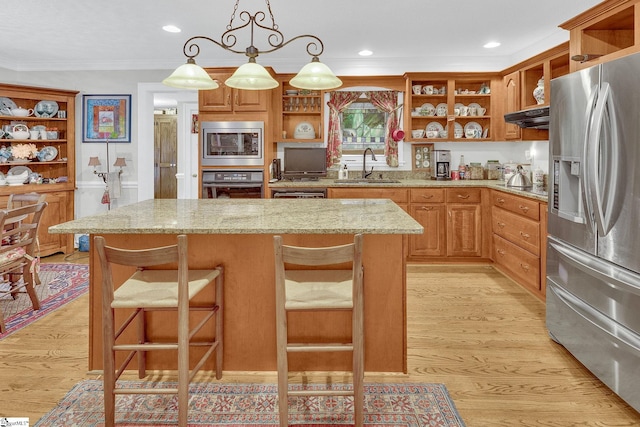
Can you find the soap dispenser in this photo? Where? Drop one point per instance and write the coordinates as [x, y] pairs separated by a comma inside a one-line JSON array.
[[343, 173]]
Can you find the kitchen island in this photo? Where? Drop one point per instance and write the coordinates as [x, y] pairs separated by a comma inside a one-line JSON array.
[[238, 233]]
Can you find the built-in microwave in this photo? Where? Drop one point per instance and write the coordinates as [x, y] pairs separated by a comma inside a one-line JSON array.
[[232, 143]]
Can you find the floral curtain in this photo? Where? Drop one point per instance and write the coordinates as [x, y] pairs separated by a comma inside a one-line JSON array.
[[387, 101], [338, 102]]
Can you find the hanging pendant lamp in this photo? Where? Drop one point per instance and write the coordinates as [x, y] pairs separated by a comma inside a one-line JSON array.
[[252, 76]]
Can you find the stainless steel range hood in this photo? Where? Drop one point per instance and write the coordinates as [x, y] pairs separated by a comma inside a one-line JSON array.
[[536, 118]]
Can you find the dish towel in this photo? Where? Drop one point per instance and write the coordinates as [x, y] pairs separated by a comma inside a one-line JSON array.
[[113, 185]]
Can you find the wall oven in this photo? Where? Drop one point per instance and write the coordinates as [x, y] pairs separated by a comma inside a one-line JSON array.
[[232, 143], [232, 184]]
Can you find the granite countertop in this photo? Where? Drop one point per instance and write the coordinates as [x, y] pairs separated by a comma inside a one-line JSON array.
[[413, 182], [248, 216]]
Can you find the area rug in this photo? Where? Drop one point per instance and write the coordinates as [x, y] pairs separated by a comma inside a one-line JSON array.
[[215, 404], [61, 283]]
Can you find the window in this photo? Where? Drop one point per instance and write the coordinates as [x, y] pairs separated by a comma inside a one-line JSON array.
[[363, 125]]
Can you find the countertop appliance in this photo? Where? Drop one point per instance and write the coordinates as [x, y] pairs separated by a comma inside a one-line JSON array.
[[232, 184], [232, 143], [593, 266], [441, 169]]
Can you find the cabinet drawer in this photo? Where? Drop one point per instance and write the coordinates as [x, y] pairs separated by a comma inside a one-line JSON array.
[[398, 195], [516, 204], [464, 195], [427, 195], [522, 231], [524, 266]]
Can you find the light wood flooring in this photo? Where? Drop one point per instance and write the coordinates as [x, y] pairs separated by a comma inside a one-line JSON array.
[[469, 327]]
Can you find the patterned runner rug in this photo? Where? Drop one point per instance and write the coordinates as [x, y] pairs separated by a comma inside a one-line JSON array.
[[215, 404], [61, 283]]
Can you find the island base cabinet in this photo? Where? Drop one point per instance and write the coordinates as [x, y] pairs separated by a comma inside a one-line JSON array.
[[249, 303]]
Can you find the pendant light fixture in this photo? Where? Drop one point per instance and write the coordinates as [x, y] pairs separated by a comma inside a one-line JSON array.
[[253, 76]]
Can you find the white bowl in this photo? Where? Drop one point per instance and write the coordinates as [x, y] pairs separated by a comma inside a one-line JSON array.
[[418, 133]]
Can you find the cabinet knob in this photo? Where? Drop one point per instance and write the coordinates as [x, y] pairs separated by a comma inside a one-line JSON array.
[[500, 200], [524, 209], [525, 267], [501, 252], [525, 235], [501, 224]]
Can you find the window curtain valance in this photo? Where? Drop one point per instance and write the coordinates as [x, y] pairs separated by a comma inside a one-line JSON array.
[[383, 100]]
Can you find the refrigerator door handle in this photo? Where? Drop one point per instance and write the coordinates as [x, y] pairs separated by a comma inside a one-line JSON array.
[[586, 170], [599, 160]]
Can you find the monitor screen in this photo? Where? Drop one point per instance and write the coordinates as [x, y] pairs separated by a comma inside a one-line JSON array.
[[305, 162]]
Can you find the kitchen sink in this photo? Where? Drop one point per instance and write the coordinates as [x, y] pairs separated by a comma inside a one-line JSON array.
[[366, 181]]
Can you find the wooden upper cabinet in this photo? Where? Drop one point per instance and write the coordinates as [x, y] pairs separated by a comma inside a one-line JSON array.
[[603, 33], [226, 99], [511, 86]]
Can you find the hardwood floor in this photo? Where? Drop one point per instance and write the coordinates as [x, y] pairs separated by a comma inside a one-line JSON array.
[[469, 327]]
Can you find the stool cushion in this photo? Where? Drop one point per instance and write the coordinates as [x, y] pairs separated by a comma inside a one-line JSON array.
[[158, 288], [318, 289]]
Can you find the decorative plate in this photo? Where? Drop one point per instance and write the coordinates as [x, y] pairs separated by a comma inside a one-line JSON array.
[[458, 105], [474, 105], [6, 105], [434, 126], [425, 108], [472, 125], [45, 109], [304, 130], [47, 154], [18, 170], [441, 109]]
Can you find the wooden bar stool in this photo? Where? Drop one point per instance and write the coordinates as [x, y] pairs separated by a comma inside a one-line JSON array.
[[320, 290], [156, 289]]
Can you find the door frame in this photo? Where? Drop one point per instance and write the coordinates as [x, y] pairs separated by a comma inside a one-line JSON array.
[[187, 162]]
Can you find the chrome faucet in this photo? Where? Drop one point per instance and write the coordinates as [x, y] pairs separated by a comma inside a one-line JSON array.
[[366, 174]]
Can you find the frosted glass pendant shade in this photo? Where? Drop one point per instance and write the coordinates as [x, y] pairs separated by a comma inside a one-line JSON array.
[[251, 76], [315, 76], [190, 76]]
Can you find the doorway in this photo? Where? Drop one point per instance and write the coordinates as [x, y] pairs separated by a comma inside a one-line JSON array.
[[165, 137]]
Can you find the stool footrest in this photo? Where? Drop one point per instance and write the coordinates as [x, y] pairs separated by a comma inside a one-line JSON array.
[[319, 347]]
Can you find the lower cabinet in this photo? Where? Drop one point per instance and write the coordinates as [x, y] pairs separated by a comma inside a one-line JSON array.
[[452, 220], [519, 239]]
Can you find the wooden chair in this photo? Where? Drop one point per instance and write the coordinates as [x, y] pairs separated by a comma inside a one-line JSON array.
[[17, 251], [156, 289], [26, 199], [319, 290]]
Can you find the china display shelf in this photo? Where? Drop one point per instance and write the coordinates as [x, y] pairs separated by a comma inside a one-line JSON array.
[[36, 188], [35, 163], [33, 141], [32, 118]]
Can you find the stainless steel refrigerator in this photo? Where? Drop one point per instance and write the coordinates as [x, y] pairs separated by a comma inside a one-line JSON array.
[[593, 257]]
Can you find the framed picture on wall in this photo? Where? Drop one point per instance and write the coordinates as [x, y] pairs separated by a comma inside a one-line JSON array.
[[106, 117]]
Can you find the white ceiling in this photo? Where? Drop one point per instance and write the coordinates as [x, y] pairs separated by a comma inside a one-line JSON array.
[[405, 35]]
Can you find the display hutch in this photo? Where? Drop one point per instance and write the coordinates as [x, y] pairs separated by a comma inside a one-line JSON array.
[[299, 109], [52, 174], [604, 32], [450, 107]]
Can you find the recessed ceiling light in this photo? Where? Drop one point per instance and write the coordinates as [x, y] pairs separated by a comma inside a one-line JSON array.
[[171, 29], [365, 52], [491, 45]]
